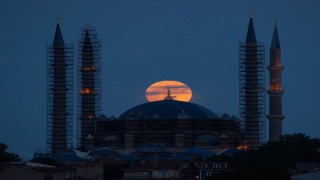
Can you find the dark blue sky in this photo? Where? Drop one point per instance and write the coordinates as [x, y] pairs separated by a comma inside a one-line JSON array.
[[145, 41]]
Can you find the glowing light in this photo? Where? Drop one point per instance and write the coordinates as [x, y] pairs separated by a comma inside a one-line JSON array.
[[92, 68], [159, 91], [90, 117], [276, 87], [242, 147], [87, 91], [87, 116]]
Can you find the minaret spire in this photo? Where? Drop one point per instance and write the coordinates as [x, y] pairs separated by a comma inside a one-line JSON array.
[[59, 94], [251, 36], [89, 85], [275, 43], [58, 40], [251, 77], [275, 90]]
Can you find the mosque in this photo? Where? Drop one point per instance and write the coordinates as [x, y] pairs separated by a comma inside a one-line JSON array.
[[168, 122]]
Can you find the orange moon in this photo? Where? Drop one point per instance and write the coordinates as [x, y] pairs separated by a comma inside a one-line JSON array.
[[159, 91]]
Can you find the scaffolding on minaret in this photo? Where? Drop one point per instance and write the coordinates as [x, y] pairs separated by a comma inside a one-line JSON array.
[[59, 94], [89, 86], [252, 89]]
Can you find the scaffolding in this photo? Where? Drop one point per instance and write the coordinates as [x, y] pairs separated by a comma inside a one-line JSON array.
[[59, 97], [89, 86], [252, 93]]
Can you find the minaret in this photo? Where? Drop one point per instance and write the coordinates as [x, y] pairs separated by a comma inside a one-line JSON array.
[[59, 94], [275, 90], [252, 96], [89, 87]]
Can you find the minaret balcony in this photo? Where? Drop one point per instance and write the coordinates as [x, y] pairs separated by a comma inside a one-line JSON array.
[[275, 91], [276, 117], [275, 68]]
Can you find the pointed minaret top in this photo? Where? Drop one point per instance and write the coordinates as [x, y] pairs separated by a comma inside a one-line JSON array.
[[275, 43], [87, 45], [58, 40], [251, 36]]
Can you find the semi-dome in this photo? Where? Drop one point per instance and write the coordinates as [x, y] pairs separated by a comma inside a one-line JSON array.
[[168, 109]]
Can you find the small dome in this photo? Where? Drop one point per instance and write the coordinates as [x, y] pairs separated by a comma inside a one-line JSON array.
[[225, 116], [103, 118], [89, 137], [168, 109], [66, 156], [102, 152], [150, 148], [199, 151]]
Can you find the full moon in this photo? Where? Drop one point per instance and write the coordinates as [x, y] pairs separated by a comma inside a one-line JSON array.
[[159, 91]]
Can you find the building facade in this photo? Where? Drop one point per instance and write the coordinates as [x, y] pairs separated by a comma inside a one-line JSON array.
[[169, 123]]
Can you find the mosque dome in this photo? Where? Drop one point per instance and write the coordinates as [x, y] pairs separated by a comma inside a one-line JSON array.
[[168, 109]]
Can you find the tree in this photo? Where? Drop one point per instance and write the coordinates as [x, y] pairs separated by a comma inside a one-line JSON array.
[[273, 160], [293, 148], [6, 156]]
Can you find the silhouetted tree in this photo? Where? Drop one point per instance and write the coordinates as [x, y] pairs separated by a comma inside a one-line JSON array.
[[293, 148], [273, 160], [6, 156]]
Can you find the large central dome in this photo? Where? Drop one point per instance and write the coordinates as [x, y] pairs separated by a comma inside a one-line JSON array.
[[168, 109]]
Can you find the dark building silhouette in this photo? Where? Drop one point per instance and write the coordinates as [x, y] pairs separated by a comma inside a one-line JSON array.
[[59, 94], [251, 89], [275, 90], [89, 86], [168, 123]]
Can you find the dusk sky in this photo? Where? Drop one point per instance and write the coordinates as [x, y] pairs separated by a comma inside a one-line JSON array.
[[145, 41]]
